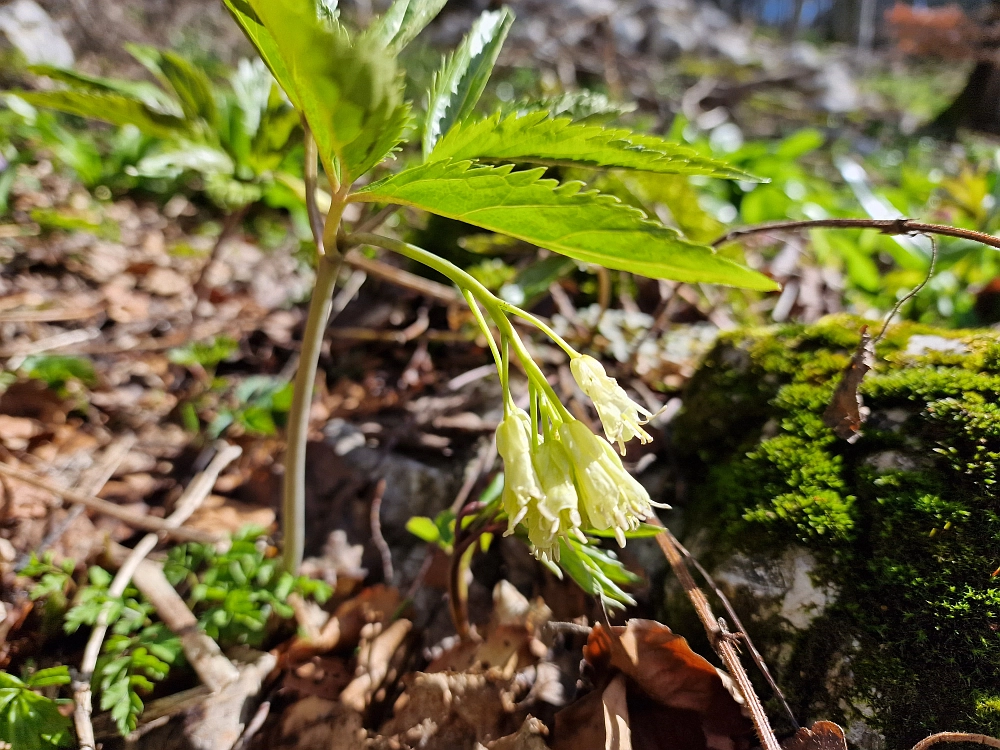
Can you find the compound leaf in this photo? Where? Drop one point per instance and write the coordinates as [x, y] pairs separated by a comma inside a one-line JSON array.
[[459, 83], [150, 95], [344, 89], [109, 107], [587, 226], [538, 139], [403, 21]]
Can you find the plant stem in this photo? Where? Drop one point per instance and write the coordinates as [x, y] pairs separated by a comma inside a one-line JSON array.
[[885, 226], [495, 307], [293, 506], [293, 499]]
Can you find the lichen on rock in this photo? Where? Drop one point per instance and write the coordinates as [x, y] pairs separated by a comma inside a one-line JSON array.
[[896, 534]]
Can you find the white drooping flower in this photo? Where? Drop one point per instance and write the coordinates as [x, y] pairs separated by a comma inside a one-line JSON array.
[[521, 485], [621, 417], [557, 513], [610, 498]]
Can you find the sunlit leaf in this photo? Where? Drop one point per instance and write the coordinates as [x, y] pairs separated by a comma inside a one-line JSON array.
[[459, 83], [586, 226], [537, 139]]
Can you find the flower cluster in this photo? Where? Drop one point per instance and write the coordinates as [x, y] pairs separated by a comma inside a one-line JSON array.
[[569, 479]]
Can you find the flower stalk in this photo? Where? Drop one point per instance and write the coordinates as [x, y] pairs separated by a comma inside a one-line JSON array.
[[561, 479]]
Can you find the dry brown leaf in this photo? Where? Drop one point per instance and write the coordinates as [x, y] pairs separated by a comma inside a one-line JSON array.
[[676, 699], [846, 412], [376, 659], [823, 735], [511, 636], [528, 737], [224, 515], [317, 724]]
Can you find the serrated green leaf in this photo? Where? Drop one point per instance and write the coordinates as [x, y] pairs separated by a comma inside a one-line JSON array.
[[247, 19], [403, 21], [537, 139], [51, 676], [374, 145], [113, 108], [192, 86], [151, 96], [586, 226], [459, 83], [343, 89], [579, 106]]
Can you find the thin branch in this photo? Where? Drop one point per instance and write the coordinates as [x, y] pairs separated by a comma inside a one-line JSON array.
[[979, 739], [913, 292], [310, 171], [379, 540], [741, 631], [373, 222], [193, 496], [229, 225], [136, 520], [401, 277], [721, 639], [885, 226], [90, 483]]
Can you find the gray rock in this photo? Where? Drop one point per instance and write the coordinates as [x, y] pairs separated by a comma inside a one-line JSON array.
[[921, 344], [29, 28]]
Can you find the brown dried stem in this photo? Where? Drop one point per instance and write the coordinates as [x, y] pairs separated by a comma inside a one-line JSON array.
[[136, 520], [721, 639], [885, 226]]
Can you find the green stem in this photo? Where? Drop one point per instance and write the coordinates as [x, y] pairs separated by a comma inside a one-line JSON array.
[[328, 261], [294, 491], [525, 315], [465, 281]]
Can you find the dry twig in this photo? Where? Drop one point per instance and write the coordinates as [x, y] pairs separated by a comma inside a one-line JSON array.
[[885, 226], [136, 520], [377, 538], [721, 639], [193, 496]]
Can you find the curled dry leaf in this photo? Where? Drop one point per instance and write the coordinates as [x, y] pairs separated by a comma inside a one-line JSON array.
[[847, 412], [675, 698], [377, 662], [531, 736], [823, 735]]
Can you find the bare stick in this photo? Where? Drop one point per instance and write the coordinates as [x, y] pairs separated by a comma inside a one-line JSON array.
[[720, 638], [90, 483], [136, 520], [377, 538], [741, 631], [979, 739], [193, 496], [885, 226]]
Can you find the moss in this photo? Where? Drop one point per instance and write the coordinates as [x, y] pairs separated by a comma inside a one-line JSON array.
[[905, 522]]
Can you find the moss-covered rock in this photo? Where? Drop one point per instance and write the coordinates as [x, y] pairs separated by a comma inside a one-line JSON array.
[[870, 569]]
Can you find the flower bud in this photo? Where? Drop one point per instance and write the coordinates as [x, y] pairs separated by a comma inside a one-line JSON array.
[[610, 498], [620, 415], [520, 481]]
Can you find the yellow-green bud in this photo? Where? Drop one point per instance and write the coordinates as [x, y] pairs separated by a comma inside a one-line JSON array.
[[520, 482]]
